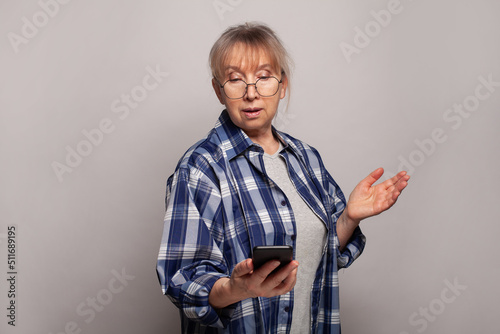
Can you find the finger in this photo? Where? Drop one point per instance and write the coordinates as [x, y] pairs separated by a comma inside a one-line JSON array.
[[276, 279], [402, 182], [398, 188], [373, 177], [266, 269], [393, 181], [286, 285], [243, 268], [290, 280], [403, 175]]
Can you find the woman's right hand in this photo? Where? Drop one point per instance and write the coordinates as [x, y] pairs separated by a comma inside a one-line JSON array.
[[248, 283]]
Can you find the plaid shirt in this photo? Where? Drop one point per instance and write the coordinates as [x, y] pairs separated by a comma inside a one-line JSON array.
[[219, 205]]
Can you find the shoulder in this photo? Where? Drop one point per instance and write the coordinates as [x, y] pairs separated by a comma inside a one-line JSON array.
[[200, 160], [203, 153], [310, 158], [306, 151]]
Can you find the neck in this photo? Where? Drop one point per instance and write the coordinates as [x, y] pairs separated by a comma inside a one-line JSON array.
[[268, 142]]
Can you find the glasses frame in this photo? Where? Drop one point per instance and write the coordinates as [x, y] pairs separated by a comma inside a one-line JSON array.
[[250, 84]]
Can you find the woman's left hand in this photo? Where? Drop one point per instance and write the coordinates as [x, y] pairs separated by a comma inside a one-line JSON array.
[[367, 200]]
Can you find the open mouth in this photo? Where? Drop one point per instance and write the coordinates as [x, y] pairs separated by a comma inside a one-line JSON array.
[[252, 112]]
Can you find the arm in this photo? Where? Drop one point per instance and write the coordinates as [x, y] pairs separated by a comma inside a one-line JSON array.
[[191, 266], [190, 260], [367, 200]]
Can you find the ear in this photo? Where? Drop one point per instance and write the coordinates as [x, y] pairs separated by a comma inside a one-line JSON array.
[[284, 85], [218, 91]]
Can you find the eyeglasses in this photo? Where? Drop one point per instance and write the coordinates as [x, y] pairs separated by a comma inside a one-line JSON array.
[[237, 88]]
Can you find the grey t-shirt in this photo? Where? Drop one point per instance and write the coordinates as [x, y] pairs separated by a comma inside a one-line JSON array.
[[309, 245]]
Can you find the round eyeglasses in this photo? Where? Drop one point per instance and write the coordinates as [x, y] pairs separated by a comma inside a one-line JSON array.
[[237, 88]]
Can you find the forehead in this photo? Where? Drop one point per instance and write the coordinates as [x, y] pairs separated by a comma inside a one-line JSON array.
[[249, 58]]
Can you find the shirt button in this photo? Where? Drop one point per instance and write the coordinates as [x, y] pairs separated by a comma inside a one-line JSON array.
[[287, 309], [293, 237], [283, 203]]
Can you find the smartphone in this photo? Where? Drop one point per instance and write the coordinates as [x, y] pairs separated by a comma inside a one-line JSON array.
[[263, 254]]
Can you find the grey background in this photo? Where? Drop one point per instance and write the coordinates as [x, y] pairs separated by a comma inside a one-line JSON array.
[[106, 215]]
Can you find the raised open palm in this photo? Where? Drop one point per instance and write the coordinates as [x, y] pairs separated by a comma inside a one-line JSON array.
[[367, 200]]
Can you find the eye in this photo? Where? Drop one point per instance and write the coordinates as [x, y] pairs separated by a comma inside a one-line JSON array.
[[264, 78], [235, 81], [233, 75]]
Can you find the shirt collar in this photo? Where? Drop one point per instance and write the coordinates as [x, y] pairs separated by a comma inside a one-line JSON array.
[[235, 141]]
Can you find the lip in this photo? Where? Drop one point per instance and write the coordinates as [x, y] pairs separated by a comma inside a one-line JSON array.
[[252, 110], [251, 113]]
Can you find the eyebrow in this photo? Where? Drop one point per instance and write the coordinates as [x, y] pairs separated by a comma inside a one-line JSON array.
[[260, 67]]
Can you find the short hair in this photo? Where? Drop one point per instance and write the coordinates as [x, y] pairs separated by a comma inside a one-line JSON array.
[[254, 37]]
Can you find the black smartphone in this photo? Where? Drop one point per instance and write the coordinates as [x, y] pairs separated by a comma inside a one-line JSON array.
[[263, 254]]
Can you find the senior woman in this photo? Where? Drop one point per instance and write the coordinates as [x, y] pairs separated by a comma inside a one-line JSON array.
[[247, 184]]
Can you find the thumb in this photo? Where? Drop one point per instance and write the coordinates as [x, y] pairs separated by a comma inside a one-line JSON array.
[[243, 268], [374, 176]]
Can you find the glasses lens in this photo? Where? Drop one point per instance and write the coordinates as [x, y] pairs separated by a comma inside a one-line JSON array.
[[267, 86], [235, 89]]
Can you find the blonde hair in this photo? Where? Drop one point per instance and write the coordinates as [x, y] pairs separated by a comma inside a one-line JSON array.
[[254, 38]]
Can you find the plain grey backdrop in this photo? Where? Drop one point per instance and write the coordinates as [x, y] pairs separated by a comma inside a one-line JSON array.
[[99, 99]]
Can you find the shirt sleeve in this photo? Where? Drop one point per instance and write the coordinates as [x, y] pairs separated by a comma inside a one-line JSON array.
[[357, 242], [190, 260]]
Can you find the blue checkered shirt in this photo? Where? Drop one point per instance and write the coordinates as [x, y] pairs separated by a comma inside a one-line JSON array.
[[219, 205]]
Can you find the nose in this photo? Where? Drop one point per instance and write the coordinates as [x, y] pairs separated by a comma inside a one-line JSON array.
[[251, 92]]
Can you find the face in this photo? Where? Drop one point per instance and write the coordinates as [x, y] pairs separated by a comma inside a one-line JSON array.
[[252, 113]]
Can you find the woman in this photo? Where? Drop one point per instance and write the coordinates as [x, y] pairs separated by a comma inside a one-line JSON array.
[[248, 184]]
